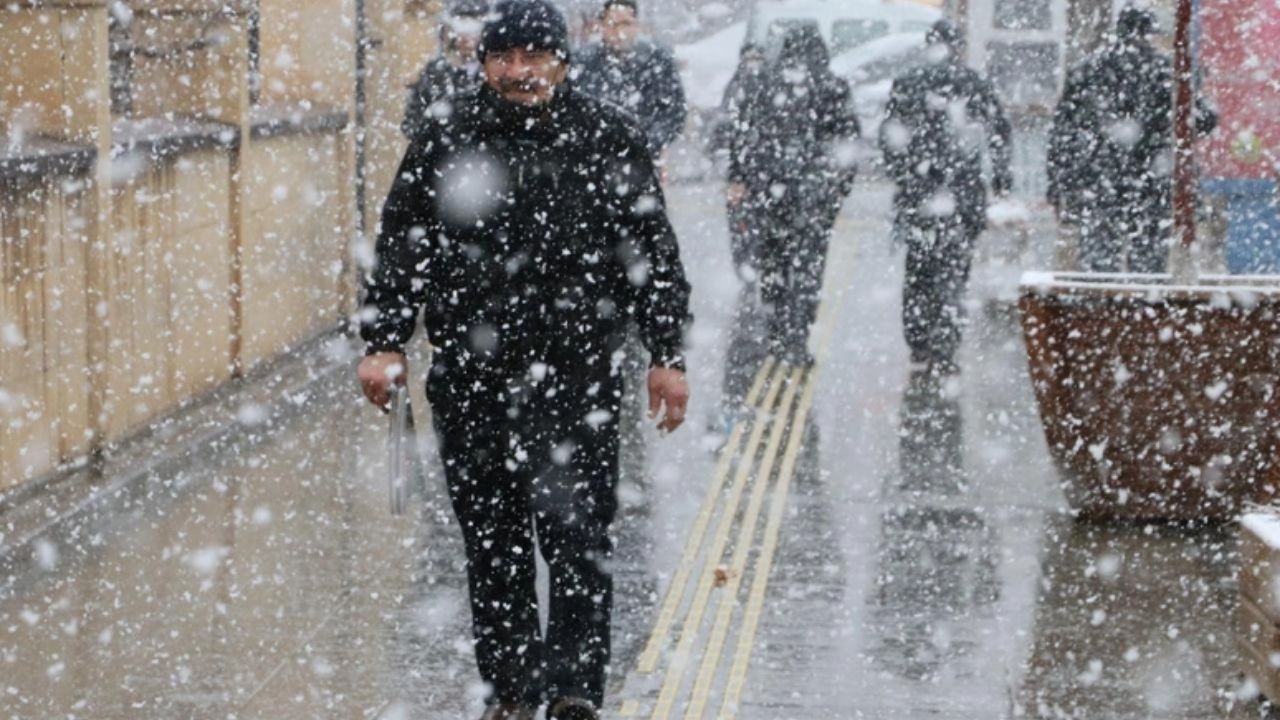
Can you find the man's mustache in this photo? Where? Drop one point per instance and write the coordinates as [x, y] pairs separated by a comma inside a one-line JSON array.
[[526, 86]]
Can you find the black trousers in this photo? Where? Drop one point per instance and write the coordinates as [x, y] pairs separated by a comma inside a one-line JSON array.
[[747, 349], [796, 232], [1126, 223], [939, 259], [526, 473]]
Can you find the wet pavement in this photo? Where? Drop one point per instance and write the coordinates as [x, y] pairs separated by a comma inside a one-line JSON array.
[[868, 542]]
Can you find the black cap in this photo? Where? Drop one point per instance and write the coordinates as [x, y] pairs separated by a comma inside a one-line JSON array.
[[531, 24], [635, 7], [468, 8], [1135, 22]]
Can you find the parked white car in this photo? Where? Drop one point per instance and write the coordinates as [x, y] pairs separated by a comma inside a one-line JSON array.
[[870, 70], [844, 24]]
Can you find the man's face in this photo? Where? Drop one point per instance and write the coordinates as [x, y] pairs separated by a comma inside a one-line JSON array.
[[524, 77], [464, 36], [619, 27], [465, 44]]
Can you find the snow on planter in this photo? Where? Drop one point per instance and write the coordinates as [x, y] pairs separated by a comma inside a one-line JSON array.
[[1158, 401]]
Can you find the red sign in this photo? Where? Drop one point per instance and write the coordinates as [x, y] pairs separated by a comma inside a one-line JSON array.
[[1239, 56]]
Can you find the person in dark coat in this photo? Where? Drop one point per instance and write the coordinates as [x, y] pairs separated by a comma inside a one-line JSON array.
[[790, 168], [527, 228], [640, 78], [634, 74], [941, 119], [454, 71], [740, 91], [1111, 150], [747, 347], [744, 90]]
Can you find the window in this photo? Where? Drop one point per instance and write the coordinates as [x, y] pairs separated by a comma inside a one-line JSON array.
[[889, 67], [1023, 15], [1024, 73], [847, 34]]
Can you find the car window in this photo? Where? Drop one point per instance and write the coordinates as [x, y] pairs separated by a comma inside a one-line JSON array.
[[1024, 73], [779, 27], [914, 26], [887, 67], [849, 33]]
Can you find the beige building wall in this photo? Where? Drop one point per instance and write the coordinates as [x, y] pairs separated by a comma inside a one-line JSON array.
[[174, 210]]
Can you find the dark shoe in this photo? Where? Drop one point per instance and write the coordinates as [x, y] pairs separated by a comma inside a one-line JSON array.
[[777, 349], [800, 357], [505, 711], [571, 708]]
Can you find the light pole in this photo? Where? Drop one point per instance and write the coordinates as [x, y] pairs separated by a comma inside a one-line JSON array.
[[1184, 189]]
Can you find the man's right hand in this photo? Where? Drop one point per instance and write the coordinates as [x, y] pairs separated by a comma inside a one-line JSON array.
[[378, 372], [735, 193]]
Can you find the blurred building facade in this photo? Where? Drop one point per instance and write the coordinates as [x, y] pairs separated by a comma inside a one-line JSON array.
[[184, 186]]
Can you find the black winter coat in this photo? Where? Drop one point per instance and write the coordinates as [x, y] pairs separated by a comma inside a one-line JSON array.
[[1112, 131], [940, 118], [795, 125], [440, 80], [743, 88], [642, 81], [526, 236]]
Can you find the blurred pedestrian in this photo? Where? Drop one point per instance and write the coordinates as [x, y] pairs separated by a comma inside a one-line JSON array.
[[635, 74], [527, 228], [1110, 155], [639, 77], [942, 118], [747, 346], [739, 92], [790, 168], [733, 130], [453, 71]]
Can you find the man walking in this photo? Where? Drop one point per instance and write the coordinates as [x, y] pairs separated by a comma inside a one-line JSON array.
[[1111, 151], [941, 116], [634, 74], [454, 71], [528, 228]]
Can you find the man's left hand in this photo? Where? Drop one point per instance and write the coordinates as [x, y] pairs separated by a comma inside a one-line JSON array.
[[668, 386], [660, 164]]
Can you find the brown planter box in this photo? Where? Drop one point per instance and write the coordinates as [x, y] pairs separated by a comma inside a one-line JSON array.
[[1258, 626], [1158, 401]]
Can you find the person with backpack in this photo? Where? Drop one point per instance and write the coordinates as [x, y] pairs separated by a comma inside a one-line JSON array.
[[1110, 154], [790, 168]]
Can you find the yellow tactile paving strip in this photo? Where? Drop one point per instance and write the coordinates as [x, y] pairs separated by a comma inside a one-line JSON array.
[[704, 610], [648, 661]]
